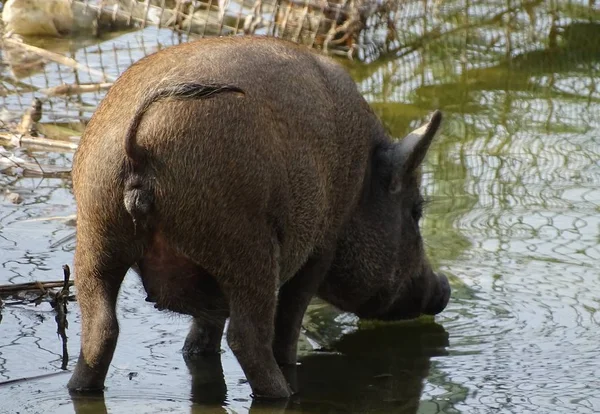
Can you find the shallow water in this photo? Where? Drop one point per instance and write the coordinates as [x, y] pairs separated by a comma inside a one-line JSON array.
[[514, 218]]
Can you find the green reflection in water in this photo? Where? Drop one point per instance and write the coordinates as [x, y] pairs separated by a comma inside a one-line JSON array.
[[513, 217], [512, 181]]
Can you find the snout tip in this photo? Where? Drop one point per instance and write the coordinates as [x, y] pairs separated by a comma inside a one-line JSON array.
[[440, 298]]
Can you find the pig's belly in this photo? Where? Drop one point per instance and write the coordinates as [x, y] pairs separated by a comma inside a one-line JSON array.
[[176, 283]]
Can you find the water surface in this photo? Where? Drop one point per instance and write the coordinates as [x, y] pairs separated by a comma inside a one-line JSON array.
[[513, 184]]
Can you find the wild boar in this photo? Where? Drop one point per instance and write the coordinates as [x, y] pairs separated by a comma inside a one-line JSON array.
[[242, 176]]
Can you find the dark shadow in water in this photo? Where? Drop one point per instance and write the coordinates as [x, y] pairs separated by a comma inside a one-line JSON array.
[[379, 369], [376, 370], [208, 382], [89, 404]]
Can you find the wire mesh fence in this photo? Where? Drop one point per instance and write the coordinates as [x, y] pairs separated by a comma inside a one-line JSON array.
[[70, 75]]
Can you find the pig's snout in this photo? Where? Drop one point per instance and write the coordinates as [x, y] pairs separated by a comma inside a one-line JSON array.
[[438, 300], [430, 298]]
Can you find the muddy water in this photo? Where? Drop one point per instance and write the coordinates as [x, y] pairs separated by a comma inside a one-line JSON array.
[[514, 217]]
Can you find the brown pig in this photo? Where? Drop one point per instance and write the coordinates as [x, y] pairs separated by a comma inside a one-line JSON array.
[[243, 176]]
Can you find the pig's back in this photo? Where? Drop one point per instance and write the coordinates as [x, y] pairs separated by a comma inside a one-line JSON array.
[[293, 147]]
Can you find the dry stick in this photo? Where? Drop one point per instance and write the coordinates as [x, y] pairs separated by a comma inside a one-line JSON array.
[[32, 286], [74, 89], [38, 164], [56, 57], [45, 142], [59, 304]]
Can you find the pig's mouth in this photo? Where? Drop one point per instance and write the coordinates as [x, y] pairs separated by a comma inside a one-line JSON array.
[[411, 305]]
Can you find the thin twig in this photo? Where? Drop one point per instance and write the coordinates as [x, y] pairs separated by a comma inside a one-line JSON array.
[[30, 170], [11, 160], [39, 165], [74, 89], [65, 239], [60, 306], [51, 374]]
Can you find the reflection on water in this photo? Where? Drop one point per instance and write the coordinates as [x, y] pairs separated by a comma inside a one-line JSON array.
[[514, 216], [379, 369]]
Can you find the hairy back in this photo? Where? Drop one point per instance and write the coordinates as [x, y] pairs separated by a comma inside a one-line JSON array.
[[295, 143]]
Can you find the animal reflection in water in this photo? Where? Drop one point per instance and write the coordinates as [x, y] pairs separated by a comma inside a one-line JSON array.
[[379, 369]]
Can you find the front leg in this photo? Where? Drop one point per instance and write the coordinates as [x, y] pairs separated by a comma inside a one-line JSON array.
[[204, 337], [100, 267], [251, 292], [294, 298]]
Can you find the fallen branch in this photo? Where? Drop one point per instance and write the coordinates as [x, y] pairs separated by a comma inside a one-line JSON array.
[[42, 287], [56, 57], [74, 89], [19, 140]]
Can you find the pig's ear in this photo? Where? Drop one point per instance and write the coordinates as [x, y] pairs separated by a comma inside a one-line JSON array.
[[410, 152]]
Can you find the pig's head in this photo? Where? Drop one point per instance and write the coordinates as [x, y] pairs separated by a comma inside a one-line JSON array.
[[380, 270]]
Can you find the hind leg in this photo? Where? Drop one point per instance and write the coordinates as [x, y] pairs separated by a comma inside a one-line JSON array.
[[99, 270], [252, 296], [250, 337]]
